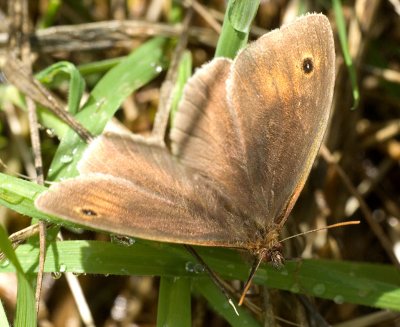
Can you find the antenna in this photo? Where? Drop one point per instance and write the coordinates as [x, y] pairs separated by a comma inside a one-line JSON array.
[[346, 223]]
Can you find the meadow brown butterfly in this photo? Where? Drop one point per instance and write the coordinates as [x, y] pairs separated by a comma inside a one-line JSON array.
[[242, 145]]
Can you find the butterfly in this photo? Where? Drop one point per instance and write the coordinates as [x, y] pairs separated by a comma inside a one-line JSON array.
[[241, 147]]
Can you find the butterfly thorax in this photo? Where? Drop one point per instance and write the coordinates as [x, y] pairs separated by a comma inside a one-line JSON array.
[[268, 248]]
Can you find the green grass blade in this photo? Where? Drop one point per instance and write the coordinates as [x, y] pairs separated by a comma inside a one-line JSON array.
[[77, 83], [174, 298], [372, 285], [52, 8], [99, 66], [25, 315], [52, 76], [18, 195], [341, 25], [134, 71], [240, 14], [184, 73], [219, 303]]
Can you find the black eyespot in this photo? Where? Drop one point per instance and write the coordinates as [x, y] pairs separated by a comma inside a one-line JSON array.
[[308, 65], [89, 212]]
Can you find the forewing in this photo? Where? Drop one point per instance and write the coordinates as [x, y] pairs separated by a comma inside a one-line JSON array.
[[132, 188], [255, 127], [288, 75]]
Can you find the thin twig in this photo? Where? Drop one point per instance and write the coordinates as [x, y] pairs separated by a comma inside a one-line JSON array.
[[18, 237], [36, 147], [203, 12], [23, 234], [17, 74], [107, 34], [19, 43], [80, 299]]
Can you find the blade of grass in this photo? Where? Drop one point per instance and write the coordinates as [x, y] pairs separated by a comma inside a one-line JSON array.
[[184, 73], [77, 83], [241, 14], [18, 195], [218, 302], [174, 307], [25, 315], [235, 29], [372, 285], [99, 66], [341, 25], [50, 13], [51, 76]]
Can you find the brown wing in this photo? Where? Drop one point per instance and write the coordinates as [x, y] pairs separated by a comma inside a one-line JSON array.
[[203, 135], [279, 92], [135, 189]]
